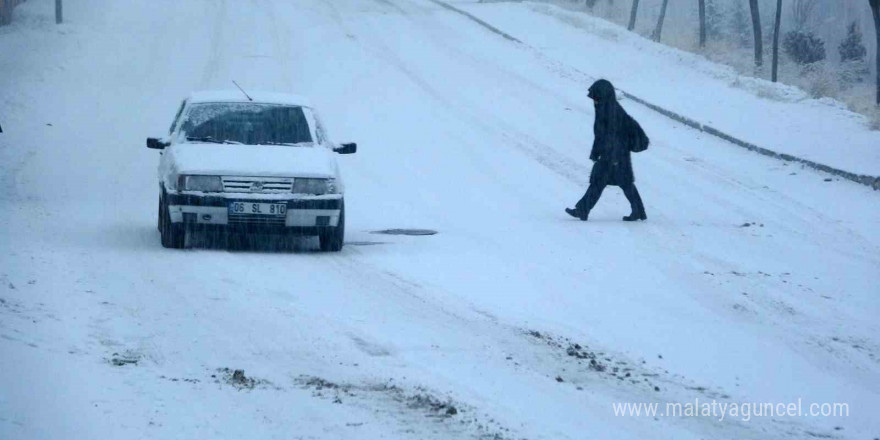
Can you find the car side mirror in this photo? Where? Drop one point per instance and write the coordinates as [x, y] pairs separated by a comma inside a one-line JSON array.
[[349, 148], [156, 144]]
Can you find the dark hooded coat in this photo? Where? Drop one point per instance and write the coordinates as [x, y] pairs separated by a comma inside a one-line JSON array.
[[615, 134]]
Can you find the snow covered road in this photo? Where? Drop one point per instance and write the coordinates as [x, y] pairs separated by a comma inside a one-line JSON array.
[[105, 334]]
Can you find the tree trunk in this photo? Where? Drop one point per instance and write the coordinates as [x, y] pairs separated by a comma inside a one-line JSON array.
[[702, 23], [776, 38], [632, 15], [875, 8], [5, 12], [58, 14], [659, 27], [756, 24]]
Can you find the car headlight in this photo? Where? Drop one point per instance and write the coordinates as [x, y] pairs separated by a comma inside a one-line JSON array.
[[200, 183], [314, 186]]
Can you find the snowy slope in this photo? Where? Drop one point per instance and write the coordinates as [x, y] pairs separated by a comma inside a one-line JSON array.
[[774, 116], [104, 334]]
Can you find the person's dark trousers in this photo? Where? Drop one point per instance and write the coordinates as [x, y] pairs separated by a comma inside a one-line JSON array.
[[635, 200], [588, 201]]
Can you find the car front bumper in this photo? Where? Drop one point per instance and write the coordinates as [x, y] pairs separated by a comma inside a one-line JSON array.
[[305, 214]]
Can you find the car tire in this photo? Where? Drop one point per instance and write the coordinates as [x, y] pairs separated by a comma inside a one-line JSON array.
[[333, 239], [173, 235]]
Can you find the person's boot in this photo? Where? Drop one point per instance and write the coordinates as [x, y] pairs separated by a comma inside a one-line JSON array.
[[636, 216], [577, 214]]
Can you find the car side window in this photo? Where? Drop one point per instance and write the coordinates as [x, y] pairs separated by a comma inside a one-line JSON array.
[[177, 117]]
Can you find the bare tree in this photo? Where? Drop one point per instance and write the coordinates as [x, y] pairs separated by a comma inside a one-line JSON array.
[[6, 7], [632, 15], [756, 25], [776, 39], [802, 13], [702, 23], [660, 19], [875, 8]]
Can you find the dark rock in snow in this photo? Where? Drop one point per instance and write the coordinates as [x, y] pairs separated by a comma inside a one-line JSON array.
[[596, 366], [239, 377], [119, 360], [559, 379], [239, 380]]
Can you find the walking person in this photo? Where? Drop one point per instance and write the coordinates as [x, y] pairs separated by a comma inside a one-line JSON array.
[[616, 134]]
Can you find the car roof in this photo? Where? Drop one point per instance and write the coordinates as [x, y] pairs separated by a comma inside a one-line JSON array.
[[234, 95]]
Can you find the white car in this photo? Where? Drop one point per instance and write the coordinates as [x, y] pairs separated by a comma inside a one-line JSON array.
[[255, 163]]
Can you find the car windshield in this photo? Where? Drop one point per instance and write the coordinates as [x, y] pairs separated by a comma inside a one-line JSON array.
[[246, 123]]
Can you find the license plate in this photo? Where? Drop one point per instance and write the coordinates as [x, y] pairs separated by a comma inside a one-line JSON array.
[[254, 208]]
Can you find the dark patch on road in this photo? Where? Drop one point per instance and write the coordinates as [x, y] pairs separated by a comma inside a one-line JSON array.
[[414, 232], [370, 348], [365, 243]]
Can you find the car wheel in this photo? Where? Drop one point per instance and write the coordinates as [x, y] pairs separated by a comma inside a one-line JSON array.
[[173, 235], [159, 215], [333, 239]]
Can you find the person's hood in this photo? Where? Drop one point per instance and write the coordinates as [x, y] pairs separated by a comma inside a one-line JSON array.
[[602, 90], [254, 160]]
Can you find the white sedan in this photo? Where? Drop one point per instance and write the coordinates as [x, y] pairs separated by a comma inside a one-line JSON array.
[[255, 163]]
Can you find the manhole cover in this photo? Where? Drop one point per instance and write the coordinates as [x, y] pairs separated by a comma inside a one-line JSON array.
[[406, 232]]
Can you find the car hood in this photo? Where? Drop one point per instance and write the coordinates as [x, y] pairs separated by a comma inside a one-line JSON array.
[[253, 160]]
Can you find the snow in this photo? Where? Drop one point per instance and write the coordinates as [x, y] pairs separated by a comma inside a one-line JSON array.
[[252, 160], [103, 333], [256, 95]]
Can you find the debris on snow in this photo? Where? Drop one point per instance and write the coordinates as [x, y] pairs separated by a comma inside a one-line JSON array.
[[240, 381]]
